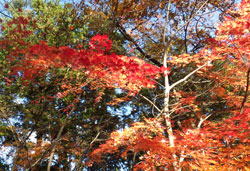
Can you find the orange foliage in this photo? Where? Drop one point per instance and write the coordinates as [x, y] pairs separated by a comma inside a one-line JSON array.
[[216, 145], [220, 145]]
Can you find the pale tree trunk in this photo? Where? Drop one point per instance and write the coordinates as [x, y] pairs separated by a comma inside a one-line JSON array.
[[166, 104], [166, 113], [166, 110]]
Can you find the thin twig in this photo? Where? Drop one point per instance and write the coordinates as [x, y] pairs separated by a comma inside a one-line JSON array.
[[97, 135], [151, 103], [5, 14]]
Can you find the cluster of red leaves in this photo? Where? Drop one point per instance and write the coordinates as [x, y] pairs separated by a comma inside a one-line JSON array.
[[223, 145], [212, 146], [103, 69], [98, 67], [100, 43]]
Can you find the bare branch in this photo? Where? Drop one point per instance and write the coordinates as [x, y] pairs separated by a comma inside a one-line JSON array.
[[202, 120], [97, 135], [189, 75], [59, 134], [5, 14], [151, 103], [129, 38], [167, 18]]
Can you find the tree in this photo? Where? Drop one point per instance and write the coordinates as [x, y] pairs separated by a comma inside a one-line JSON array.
[[157, 144], [187, 28], [59, 76], [36, 113], [66, 86]]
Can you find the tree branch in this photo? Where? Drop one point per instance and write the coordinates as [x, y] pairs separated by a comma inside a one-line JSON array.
[[151, 103], [54, 145], [246, 92], [129, 38], [59, 134], [97, 135], [202, 120], [5, 14], [189, 75]]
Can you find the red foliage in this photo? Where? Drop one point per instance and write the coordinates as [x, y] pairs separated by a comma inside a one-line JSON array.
[[110, 70], [100, 43], [102, 68], [6, 5], [220, 146]]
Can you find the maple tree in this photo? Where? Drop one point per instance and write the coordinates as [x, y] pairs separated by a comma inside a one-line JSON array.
[[33, 106], [69, 84], [97, 69], [223, 145], [187, 30], [83, 74]]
